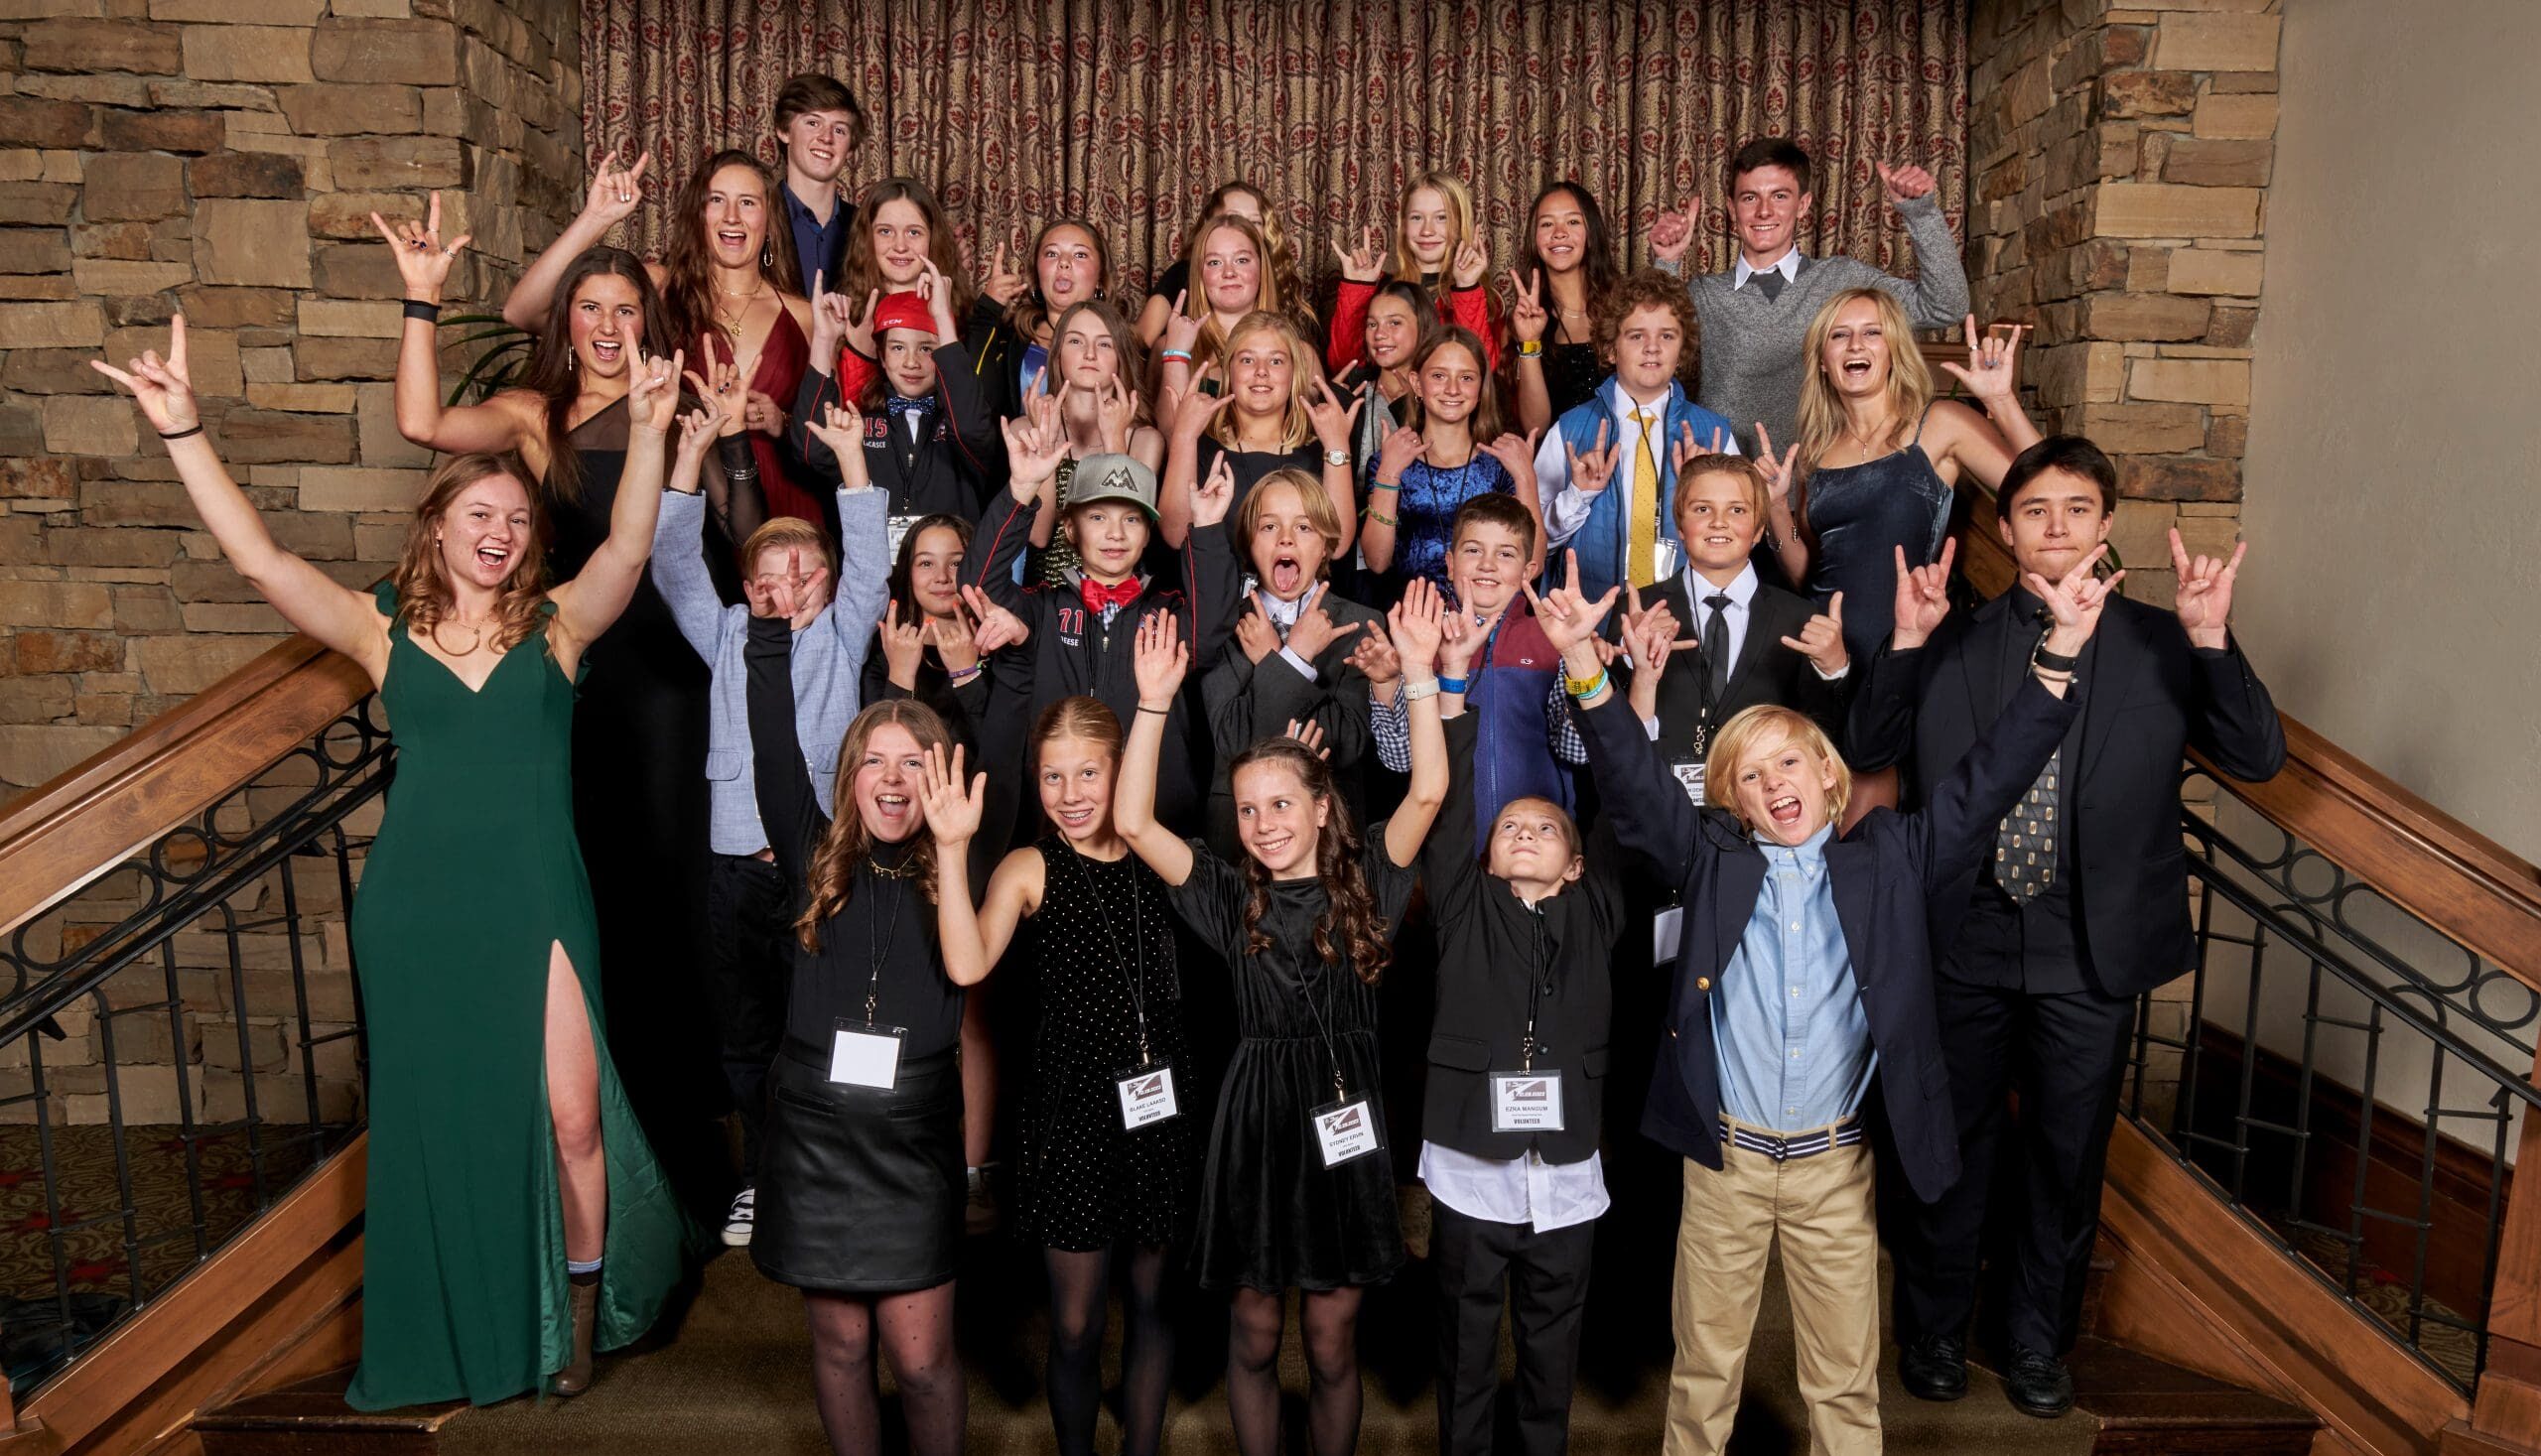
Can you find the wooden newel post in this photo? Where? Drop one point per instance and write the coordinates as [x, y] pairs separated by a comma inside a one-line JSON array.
[[2506, 1418]]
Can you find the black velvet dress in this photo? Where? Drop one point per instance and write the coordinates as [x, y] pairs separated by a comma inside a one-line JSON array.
[[1272, 1215]]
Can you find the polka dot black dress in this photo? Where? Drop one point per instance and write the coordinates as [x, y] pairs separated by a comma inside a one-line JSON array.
[[1106, 942]]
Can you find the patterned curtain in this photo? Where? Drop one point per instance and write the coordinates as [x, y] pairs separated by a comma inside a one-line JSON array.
[[1127, 113]]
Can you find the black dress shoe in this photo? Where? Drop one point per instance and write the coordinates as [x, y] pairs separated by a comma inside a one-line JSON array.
[[2039, 1384], [1934, 1367]]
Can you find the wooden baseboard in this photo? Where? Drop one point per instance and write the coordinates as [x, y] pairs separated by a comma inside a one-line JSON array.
[[2197, 1286]]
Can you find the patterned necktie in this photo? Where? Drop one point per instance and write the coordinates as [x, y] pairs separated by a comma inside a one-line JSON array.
[[1640, 565], [1771, 281], [2025, 842], [1716, 644]]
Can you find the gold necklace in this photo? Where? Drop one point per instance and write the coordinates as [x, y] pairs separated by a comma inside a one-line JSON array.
[[476, 636], [731, 322]]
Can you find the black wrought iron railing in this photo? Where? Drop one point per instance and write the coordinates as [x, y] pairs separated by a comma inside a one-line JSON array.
[[2347, 1076], [181, 1041]]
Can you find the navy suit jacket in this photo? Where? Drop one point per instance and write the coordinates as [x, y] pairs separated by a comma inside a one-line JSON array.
[[2147, 694], [1883, 877]]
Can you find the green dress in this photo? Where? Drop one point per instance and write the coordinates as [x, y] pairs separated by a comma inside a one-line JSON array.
[[474, 872]]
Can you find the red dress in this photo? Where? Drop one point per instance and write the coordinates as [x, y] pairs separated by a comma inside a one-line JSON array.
[[782, 357]]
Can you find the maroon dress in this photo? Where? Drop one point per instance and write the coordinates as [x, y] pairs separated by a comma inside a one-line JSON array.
[[782, 357]]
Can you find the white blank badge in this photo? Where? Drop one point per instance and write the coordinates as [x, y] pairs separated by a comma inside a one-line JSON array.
[[1147, 1096], [1346, 1131], [1525, 1102], [866, 1057]]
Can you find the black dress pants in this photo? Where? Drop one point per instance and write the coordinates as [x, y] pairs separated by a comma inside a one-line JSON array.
[[2065, 1051], [1542, 1281], [749, 964]]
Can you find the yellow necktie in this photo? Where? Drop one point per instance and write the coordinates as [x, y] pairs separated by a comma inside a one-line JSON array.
[[1639, 565]]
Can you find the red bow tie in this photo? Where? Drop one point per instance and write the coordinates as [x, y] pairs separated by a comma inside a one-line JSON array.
[[1099, 597]]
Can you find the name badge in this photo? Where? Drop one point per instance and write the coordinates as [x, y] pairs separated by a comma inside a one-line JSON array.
[[1689, 772], [1147, 1095], [865, 1056], [1665, 929], [896, 529], [1525, 1102], [1346, 1129]]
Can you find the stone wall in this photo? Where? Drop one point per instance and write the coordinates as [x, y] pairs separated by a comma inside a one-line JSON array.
[[222, 158], [2121, 155]]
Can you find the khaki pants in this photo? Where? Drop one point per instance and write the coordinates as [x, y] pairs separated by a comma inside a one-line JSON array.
[[1820, 1209]]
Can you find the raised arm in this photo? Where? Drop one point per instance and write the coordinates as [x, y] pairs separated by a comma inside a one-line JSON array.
[[1034, 445], [787, 807], [865, 569], [1959, 821], [1645, 805], [1416, 627], [1516, 456], [423, 267], [679, 547], [1448, 864], [1983, 447], [1211, 594], [589, 603], [1528, 320], [1576, 478], [1937, 294], [1192, 411], [1785, 505], [1879, 730], [2232, 718], [308, 599], [1333, 425], [953, 807], [1382, 532], [614, 194], [1161, 661]]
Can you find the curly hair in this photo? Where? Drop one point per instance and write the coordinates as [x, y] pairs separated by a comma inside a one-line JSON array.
[[424, 593], [1350, 925], [1648, 288], [845, 848]]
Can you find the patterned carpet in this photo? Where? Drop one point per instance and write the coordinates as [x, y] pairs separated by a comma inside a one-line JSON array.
[[69, 1270], [2385, 1296]]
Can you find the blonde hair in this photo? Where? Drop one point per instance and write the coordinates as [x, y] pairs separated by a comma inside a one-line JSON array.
[[1766, 724], [1910, 383], [1299, 426], [1758, 499], [1460, 225], [1312, 500], [782, 531]]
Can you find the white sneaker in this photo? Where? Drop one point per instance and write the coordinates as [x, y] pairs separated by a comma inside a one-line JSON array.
[[736, 1224]]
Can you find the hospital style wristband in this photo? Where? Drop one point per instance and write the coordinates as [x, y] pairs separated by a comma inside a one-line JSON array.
[[1451, 685], [1585, 690], [1530, 349]]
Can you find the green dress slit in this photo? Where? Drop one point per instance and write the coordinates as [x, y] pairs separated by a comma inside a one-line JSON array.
[[474, 876]]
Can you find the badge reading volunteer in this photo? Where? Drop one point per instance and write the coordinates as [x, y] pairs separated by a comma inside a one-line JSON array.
[[1147, 1095], [1346, 1129], [1525, 1102]]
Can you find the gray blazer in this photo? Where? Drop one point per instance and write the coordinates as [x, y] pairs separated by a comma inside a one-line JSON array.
[[829, 655]]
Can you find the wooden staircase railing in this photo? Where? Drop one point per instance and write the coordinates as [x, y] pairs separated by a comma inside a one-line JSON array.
[[279, 1299], [2200, 1287]]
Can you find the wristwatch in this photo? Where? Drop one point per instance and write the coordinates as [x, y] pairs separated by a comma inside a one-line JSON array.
[[1336, 456], [1414, 692]]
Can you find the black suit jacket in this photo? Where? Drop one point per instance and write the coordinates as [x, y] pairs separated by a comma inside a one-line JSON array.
[[2147, 693], [1885, 877], [1763, 670]]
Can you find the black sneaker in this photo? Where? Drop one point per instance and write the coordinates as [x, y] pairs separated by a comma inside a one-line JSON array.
[[1934, 1367], [2038, 1383], [744, 1214]]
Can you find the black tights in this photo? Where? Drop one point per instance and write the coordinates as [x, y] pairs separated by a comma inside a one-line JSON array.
[[1254, 1322], [917, 1338], [1080, 1287]]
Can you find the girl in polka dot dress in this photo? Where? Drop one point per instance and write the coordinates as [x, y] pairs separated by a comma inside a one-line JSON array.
[[1107, 1149]]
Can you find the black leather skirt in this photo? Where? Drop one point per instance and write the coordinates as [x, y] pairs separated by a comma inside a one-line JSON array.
[[859, 1190]]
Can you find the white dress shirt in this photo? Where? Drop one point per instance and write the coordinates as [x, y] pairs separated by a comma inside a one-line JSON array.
[[1520, 1190], [1787, 265], [1566, 506], [1692, 614], [1283, 616]]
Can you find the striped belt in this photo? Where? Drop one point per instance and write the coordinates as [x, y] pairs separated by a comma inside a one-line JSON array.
[[1806, 1145]]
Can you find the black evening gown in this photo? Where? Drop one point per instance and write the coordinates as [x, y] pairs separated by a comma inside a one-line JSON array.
[[640, 811]]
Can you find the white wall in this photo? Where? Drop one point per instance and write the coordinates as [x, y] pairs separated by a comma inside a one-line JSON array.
[[2392, 598]]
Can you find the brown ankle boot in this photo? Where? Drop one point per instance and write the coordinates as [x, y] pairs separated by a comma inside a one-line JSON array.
[[576, 1377]]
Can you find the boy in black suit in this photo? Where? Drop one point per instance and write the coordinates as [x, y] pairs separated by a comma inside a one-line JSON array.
[[1803, 969], [2082, 907], [1744, 644]]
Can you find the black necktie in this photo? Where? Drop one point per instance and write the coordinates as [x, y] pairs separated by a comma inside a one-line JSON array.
[[1716, 644], [1771, 281]]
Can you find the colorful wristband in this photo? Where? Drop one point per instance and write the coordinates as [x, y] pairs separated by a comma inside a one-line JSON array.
[[1451, 685], [1585, 690], [1530, 349]]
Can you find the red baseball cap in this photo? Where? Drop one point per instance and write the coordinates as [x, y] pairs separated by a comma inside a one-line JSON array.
[[903, 311]]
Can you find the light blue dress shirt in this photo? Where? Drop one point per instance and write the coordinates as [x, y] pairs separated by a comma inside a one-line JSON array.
[[1787, 1018]]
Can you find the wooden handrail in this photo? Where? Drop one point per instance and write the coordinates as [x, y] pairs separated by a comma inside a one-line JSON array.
[[102, 811]]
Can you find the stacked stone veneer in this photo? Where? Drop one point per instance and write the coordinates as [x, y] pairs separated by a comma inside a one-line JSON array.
[[2120, 156], [223, 157]]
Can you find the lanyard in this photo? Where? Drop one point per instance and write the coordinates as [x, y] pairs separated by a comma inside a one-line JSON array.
[[1323, 1029], [1536, 978], [890, 928], [1138, 941], [1706, 702]]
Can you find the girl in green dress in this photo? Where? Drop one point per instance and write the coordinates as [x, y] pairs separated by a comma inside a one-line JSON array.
[[516, 1217]]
